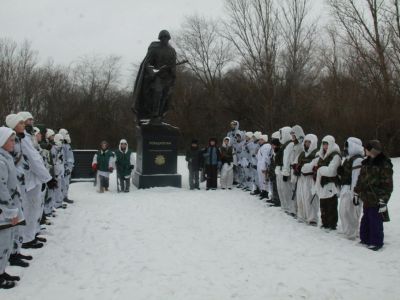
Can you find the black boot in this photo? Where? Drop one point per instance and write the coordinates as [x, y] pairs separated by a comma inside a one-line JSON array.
[[21, 256], [15, 261], [32, 245], [255, 192], [4, 284], [43, 220], [40, 239], [264, 195], [66, 200], [8, 277]]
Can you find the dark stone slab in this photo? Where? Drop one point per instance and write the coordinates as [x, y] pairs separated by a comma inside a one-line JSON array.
[[157, 156]]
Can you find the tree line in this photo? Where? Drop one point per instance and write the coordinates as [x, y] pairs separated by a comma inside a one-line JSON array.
[[265, 63]]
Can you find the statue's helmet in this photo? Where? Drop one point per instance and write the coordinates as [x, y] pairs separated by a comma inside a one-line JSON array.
[[164, 34]]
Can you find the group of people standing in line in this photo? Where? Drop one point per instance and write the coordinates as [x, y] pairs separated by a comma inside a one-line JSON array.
[[314, 183], [35, 170]]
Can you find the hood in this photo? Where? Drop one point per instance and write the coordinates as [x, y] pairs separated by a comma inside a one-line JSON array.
[[314, 142], [237, 125], [275, 135], [123, 141], [355, 146], [249, 135], [226, 138], [284, 135], [332, 146], [58, 140], [242, 135], [298, 133]]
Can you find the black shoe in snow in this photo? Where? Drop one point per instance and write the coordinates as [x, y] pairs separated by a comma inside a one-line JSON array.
[[40, 239], [264, 195], [8, 277], [43, 220], [32, 245], [66, 200], [21, 256], [313, 224], [4, 284], [15, 261], [374, 248], [255, 192]]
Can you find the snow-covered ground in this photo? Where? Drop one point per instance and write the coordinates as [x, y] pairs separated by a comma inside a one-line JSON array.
[[168, 243]]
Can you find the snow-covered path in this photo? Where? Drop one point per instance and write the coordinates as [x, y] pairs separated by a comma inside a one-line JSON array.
[[180, 244]]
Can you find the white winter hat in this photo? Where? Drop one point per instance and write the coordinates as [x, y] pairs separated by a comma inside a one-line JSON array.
[[257, 134], [276, 135], [58, 139], [49, 133], [249, 134], [5, 133], [264, 137], [13, 120], [25, 115], [63, 132], [123, 141]]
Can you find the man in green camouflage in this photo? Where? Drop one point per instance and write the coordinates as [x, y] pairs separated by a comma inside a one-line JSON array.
[[374, 187]]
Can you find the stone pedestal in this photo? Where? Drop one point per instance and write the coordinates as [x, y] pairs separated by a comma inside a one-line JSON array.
[[157, 156]]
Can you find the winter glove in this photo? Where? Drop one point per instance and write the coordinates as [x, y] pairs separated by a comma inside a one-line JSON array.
[[111, 169], [94, 167], [52, 184], [43, 187], [296, 169], [131, 167], [285, 178], [315, 170], [67, 172], [356, 200], [382, 206]]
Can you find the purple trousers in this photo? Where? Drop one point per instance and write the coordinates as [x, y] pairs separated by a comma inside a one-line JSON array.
[[371, 229]]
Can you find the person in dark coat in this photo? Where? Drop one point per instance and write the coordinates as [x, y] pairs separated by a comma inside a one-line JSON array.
[[374, 188], [212, 161], [194, 159]]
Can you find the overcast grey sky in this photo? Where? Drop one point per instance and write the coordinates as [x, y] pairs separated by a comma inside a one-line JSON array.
[[68, 29]]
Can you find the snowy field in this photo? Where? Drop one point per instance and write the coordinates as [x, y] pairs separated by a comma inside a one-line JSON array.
[[180, 244]]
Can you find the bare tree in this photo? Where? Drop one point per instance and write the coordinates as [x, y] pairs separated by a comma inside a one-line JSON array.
[[208, 54], [298, 55], [364, 30], [252, 27]]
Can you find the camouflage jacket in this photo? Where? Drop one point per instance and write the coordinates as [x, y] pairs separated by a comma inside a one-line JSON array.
[[375, 181]]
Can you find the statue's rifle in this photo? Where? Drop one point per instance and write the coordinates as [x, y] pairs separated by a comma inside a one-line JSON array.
[[179, 63]]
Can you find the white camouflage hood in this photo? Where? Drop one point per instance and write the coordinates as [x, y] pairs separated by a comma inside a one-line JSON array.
[[314, 143], [284, 135], [332, 146], [123, 141], [355, 147], [298, 133]]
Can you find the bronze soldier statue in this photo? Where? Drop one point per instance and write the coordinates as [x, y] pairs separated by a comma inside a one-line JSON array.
[[155, 81]]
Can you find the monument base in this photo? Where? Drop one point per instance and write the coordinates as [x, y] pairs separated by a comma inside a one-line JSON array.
[[157, 156], [161, 180]]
